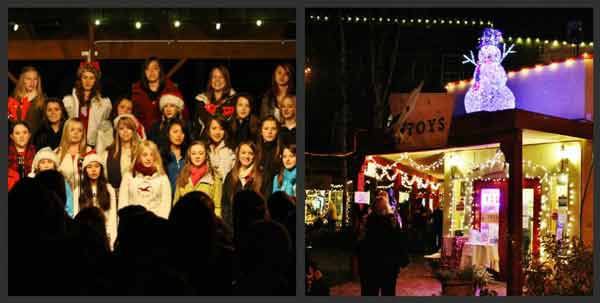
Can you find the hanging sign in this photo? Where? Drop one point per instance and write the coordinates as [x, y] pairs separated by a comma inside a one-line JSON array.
[[420, 121]]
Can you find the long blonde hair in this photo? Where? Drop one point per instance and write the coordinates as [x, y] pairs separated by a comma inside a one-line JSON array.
[[135, 139], [65, 140], [19, 91], [147, 144]]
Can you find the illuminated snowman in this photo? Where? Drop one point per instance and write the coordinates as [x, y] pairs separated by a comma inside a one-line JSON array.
[[489, 91]]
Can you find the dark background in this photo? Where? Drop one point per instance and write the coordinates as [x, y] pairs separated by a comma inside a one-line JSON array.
[[431, 53]]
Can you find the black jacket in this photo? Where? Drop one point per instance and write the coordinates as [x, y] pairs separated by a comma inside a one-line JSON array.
[[45, 136]]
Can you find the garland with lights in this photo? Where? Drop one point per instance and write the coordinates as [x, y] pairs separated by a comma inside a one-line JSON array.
[[397, 20]]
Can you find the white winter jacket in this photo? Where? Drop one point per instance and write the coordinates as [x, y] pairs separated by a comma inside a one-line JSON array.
[[152, 192], [100, 109]]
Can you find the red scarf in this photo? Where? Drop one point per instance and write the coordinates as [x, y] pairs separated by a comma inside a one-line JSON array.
[[146, 171], [197, 172]]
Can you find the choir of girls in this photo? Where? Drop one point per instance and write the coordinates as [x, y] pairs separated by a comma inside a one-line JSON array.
[[150, 147]]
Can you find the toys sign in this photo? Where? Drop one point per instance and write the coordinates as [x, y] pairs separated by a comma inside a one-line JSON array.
[[420, 120]]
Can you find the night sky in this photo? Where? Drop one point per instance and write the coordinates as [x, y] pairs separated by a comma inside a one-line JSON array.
[[421, 53]]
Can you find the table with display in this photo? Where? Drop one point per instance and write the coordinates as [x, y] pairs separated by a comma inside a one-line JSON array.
[[480, 254]]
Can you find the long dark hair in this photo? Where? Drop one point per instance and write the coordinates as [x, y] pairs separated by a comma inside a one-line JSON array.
[[210, 92], [223, 125], [79, 92], [63, 115], [274, 91], [86, 199], [261, 141], [165, 150], [291, 148], [161, 75], [253, 121]]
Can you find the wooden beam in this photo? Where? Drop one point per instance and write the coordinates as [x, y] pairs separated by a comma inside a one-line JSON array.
[[12, 78], [175, 68], [91, 39], [513, 152], [71, 50]]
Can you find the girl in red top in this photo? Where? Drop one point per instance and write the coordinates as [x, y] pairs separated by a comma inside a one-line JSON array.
[[27, 100], [20, 153], [146, 93]]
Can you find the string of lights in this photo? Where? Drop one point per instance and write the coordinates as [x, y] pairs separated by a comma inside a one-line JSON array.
[[138, 24], [399, 20]]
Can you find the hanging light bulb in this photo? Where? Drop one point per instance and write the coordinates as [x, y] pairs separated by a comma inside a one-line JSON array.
[[177, 23], [218, 26], [259, 22], [138, 24], [97, 22], [15, 27]]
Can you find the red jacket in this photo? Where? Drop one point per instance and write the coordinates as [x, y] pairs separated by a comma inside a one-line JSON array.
[[13, 165], [147, 110], [13, 108]]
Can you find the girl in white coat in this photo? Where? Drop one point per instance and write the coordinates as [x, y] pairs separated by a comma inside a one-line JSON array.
[[97, 192], [86, 102], [147, 183], [222, 157], [70, 152]]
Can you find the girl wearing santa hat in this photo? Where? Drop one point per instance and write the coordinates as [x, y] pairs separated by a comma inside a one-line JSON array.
[[86, 101], [171, 107], [97, 192], [146, 93], [46, 159]]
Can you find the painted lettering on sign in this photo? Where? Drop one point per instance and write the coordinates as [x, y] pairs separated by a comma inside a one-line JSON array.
[[420, 120]]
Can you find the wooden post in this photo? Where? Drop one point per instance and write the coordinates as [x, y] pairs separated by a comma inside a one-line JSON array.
[[91, 39], [12, 78], [512, 147], [175, 68]]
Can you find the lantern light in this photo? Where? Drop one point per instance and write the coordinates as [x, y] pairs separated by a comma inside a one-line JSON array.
[[259, 22], [138, 24]]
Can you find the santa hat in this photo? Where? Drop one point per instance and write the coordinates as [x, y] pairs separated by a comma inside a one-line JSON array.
[[92, 67], [171, 98], [45, 153], [91, 157], [139, 127]]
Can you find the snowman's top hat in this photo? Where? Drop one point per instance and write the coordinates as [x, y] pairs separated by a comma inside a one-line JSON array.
[[490, 37]]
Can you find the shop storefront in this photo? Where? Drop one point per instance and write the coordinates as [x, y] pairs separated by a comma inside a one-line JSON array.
[[504, 179]]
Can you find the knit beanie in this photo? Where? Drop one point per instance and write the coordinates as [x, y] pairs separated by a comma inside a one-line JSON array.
[[44, 153]]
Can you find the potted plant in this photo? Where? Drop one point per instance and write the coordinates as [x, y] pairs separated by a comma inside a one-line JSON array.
[[567, 269]]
